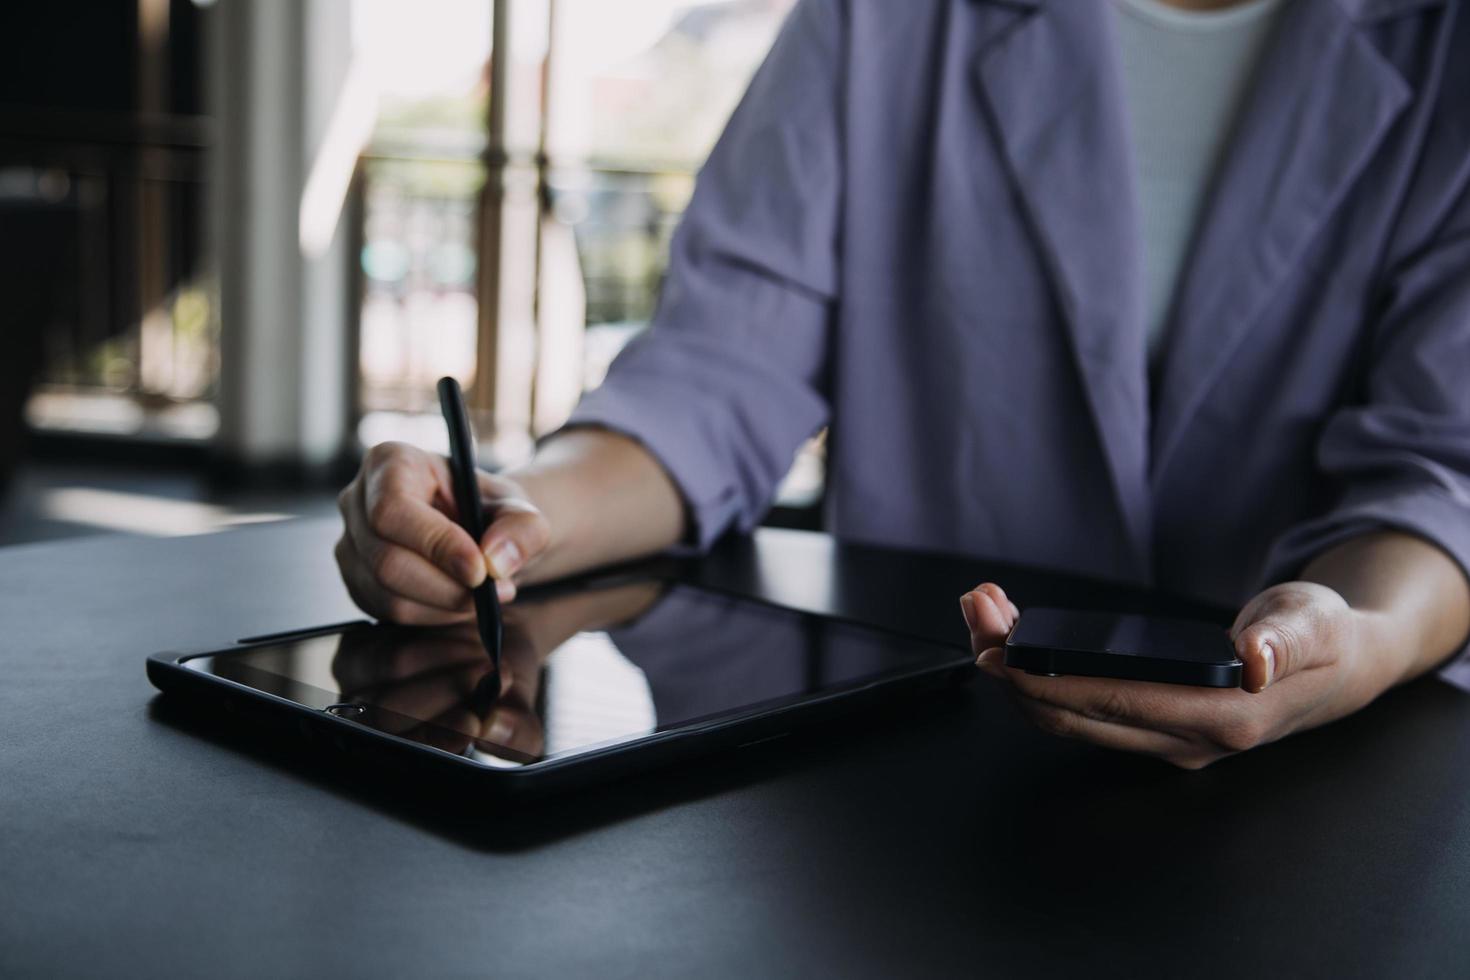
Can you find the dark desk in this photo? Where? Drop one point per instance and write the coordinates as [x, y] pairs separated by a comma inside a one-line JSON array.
[[946, 836]]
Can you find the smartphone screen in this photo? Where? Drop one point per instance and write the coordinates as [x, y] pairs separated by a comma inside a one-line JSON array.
[[579, 671]]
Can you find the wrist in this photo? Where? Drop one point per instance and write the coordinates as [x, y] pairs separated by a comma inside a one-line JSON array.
[[1380, 653], [534, 489]]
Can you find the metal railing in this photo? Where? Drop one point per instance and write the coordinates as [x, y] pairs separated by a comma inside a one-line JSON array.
[[419, 259]]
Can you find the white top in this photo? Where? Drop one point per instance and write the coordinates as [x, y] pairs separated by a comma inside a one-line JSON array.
[[1185, 75]]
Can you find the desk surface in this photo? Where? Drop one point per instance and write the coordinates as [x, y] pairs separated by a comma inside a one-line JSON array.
[[946, 836]]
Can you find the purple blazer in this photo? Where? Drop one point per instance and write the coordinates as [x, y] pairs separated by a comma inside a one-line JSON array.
[[919, 227]]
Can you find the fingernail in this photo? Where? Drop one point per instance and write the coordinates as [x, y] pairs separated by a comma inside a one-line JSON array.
[[504, 559], [967, 606], [500, 729], [505, 591], [1269, 656]]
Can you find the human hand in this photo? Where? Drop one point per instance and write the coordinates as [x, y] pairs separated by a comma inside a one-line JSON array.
[[1308, 660], [403, 556]]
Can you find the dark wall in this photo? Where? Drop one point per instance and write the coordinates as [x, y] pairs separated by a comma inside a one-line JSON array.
[[83, 56], [67, 54]]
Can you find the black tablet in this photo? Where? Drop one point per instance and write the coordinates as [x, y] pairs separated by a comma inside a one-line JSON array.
[[597, 680]]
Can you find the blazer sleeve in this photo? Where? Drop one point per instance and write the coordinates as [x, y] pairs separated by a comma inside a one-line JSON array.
[[1401, 456], [729, 379]]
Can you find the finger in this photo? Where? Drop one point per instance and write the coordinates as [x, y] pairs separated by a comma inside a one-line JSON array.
[[377, 601], [1171, 708], [400, 568], [1289, 635], [365, 592], [397, 505], [1003, 603], [1116, 735], [1217, 721], [990, 625], [1256, 649], [967, 608], [992, 660], [979, 637], [518, 533], [403, 572]]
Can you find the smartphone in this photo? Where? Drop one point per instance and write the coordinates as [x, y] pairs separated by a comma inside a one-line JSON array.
[[596, 681], [1054, 642]]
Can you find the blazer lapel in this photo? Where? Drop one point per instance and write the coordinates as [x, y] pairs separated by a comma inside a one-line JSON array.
[[1323, 100], [1051, 91]]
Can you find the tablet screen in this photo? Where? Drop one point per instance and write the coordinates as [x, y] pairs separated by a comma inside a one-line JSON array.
[[579, 671]]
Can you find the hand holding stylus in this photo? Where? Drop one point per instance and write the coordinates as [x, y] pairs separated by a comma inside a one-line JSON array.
[[402, 554]]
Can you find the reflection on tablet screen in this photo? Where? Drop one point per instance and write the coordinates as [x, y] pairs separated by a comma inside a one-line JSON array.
[[580, 670]]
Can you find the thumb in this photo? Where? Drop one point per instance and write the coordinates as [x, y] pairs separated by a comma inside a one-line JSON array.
[[1284, 637], [517, 533]]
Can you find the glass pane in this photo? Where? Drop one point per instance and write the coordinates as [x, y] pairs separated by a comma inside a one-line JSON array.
[[428, 62]]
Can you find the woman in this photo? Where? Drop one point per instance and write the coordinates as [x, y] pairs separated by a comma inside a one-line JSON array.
[[1168, 295]]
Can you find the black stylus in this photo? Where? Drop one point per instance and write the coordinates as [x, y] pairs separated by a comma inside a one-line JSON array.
[[471, 511]]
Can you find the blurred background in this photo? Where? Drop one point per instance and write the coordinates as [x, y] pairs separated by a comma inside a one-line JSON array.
[[240, 240]]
